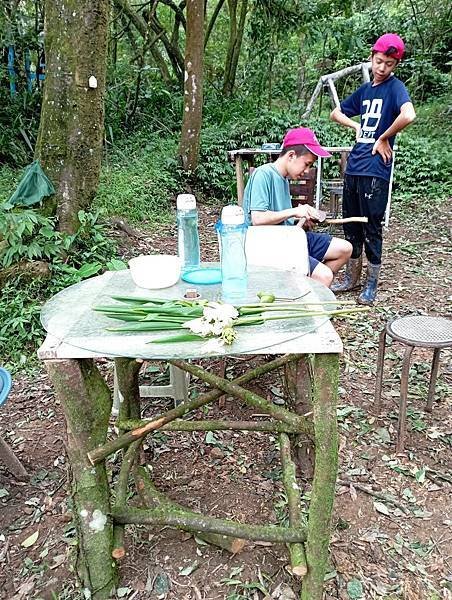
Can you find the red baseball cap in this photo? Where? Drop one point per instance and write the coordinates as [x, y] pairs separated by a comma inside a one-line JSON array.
[[305, 136], [390, 40]]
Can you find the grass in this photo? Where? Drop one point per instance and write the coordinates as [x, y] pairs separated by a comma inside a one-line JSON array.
[[138, 182]]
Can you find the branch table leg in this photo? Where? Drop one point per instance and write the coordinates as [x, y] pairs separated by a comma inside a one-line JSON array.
[[86, 402], [298, 380], [325, 386]]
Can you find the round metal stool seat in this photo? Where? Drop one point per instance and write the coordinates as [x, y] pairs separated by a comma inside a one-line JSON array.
[[422, 331], [429, 332]]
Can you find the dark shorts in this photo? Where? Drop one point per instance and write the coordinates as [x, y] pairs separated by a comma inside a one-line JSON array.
[[318, 244]]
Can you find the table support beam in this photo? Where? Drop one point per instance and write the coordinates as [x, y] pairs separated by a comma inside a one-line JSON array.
[[325, 386], [86, 402]]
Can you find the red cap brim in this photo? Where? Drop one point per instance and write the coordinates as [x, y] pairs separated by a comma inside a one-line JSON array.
[[318, 150]]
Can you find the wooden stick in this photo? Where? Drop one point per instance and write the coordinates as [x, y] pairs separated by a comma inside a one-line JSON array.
[[124, 440], [296, 551], [378, 495], [151, 497], [209, 425], [196, 522], [118, 551], [232, 388], [346, 220]]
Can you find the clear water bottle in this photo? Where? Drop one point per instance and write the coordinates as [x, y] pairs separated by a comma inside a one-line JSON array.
[[232, 233], [187, 232]]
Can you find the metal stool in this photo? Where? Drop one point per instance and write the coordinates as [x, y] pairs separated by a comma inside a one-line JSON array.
[[177, 388], [425, 332]]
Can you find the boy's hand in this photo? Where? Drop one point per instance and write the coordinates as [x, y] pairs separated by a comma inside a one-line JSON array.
[[306, 215], [383, 148]]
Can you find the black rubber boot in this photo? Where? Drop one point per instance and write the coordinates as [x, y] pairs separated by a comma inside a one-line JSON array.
[[369, 292], [352, 276]]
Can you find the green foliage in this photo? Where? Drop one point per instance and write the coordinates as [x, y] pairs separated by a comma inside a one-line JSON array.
[[423, 167], [73, 258], [28, 235], [139, 180], [19, 119], [216, 177]]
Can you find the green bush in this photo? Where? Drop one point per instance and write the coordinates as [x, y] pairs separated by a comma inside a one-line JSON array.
[[139, 180], [72, 258], [423, 167]]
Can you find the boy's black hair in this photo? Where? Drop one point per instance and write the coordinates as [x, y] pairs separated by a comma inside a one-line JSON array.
[[299, 149], [389, 52]]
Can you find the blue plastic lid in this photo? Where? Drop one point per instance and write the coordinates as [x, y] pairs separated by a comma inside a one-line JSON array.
[[203, 275]]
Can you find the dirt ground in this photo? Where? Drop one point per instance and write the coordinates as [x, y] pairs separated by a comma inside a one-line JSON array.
[[392, 526]]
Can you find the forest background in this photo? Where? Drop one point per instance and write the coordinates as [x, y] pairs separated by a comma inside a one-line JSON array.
[[261, 62]]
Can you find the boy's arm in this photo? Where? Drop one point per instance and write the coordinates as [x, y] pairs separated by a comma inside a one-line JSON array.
[[406, 116], [303, 212], [338, 116]]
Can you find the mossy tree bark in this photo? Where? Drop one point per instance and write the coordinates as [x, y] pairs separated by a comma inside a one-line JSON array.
[[325, 386], [69, 144], [193, 86], [86, 401]]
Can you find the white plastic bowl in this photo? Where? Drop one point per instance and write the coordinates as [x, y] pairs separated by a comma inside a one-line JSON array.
[[155, 271]]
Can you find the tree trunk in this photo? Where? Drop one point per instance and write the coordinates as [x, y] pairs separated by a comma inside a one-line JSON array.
[[86, 402], [70, 136], [193, 83], [234, 44]]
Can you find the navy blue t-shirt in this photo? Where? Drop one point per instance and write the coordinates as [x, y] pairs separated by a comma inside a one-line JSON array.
[[378, 107]]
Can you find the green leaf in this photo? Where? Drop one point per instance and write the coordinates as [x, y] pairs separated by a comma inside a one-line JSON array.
[[381, 508], [30, 540], [355, 589], [210, 438], [420, 475], [189, 569]]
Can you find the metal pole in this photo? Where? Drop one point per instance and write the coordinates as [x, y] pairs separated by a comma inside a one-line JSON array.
[[388, 205], [319, 183]]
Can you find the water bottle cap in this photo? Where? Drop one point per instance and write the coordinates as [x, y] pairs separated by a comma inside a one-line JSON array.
[[186, 202], [232, 215]]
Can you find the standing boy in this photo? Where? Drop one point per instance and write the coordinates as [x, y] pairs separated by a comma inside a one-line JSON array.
[[267, 201], [385, 108]]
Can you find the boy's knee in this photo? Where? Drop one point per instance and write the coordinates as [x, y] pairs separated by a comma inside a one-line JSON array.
[[323, 274], [343, 249], [348, 249]]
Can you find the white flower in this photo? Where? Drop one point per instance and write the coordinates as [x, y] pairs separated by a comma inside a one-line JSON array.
[[216, 320], [215, 311], [199, 326]]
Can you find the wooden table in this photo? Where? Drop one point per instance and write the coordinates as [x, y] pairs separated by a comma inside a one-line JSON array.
[[76, 336]]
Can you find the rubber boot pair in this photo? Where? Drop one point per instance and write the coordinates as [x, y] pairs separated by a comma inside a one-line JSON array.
[[369, 292], [352, 276]]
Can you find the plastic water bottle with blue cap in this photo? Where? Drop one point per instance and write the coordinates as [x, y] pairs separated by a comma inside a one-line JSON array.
[[232, 234], [187, 232]]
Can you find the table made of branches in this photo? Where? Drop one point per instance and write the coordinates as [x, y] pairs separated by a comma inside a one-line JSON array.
[[309, 357]]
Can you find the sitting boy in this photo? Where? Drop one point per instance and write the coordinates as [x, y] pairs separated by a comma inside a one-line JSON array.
[[267, 201]]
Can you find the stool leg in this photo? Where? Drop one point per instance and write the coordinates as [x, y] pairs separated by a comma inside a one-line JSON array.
[[179, 381], [379, 375], [403, 399], [433, 376]]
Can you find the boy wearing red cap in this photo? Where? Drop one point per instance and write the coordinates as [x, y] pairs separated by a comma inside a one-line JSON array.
[[267, 201], [384, 108]]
